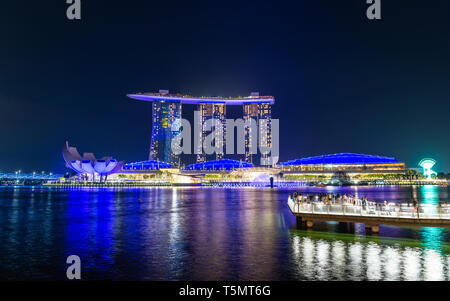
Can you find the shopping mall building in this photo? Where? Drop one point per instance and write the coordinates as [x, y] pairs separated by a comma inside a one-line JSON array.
[[353, 165]]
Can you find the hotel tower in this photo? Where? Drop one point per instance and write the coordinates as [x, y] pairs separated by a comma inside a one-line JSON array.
[[166, 112]]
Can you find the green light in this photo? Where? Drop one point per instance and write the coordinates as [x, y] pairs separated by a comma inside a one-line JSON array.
[[427, 164]]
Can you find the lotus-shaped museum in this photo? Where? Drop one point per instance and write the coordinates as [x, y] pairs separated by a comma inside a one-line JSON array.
[[87, 165]]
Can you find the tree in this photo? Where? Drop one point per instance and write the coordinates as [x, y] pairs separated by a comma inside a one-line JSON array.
[[441, 175]]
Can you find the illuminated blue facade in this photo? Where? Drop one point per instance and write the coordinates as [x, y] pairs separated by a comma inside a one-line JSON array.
[[146, 165], [343, 158], [224, 164]]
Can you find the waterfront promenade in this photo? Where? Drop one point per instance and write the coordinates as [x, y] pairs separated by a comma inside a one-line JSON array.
[[372, 215]]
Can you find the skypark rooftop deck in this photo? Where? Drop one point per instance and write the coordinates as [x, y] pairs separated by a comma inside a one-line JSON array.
[[188, 99]]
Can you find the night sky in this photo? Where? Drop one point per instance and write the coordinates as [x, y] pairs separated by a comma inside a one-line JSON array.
[[342, 83]]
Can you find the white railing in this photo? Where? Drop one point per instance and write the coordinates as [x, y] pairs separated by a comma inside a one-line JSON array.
[[425, 211]]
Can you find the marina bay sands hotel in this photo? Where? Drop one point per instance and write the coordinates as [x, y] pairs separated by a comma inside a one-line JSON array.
[[167, 108]]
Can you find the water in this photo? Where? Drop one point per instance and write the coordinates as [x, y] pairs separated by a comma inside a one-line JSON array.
[[208, 234]]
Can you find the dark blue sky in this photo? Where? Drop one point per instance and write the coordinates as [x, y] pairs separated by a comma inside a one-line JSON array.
[[342, 83]]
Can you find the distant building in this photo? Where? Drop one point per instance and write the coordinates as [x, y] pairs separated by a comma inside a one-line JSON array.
[[348, 163], [150, 165], [147, 171], [219, 165]]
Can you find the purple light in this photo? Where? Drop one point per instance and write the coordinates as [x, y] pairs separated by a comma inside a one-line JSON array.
[[197, 100]]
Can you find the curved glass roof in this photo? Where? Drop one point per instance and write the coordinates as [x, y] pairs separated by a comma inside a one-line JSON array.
[[223, 164], [187, 99], [146, 165], [343, 158]]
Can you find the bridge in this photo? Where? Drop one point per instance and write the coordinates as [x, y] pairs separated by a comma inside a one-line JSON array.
[[372, 216], [19, 178]]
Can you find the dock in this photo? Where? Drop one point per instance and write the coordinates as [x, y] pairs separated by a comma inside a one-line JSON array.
[[372, 216]]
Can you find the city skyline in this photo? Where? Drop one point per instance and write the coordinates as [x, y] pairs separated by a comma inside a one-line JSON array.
[[375, 90], [210, 149]]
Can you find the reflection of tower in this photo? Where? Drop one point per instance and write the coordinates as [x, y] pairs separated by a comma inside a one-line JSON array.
[[217, 113], [432, 237], [261, 113], [165, 114]]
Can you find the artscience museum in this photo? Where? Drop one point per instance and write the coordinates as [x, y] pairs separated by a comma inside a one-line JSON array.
[[87, 166]]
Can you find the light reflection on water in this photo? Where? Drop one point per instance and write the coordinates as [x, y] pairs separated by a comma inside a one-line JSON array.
[[209, 234], [353, 260]]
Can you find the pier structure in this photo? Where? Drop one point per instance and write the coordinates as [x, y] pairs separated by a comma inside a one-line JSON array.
[[427, 215]]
